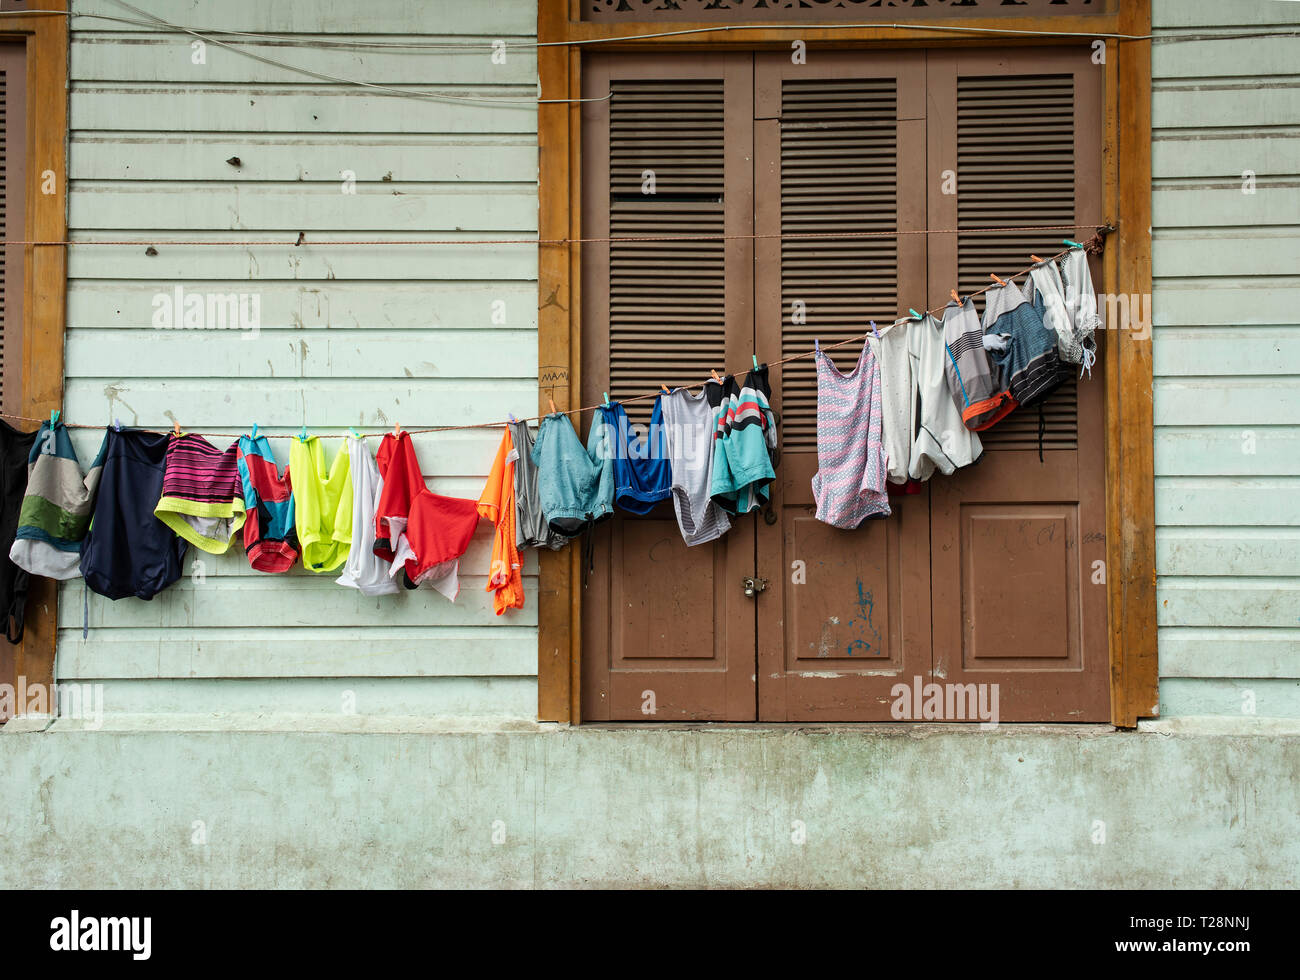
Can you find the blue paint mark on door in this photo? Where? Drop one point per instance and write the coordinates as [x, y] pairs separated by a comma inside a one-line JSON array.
[[868, 640]]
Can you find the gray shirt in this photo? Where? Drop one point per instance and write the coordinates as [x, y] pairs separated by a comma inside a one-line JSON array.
[[531, 529]]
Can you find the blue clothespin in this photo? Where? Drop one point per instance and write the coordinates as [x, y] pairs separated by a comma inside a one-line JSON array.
[[355, 434], [1066, 241], [254, 430], [511, 416], [755, 357], [606, 394], [817, 345], [117, 424], [874, 330], [302, 436], [54, 417], [914, 313]]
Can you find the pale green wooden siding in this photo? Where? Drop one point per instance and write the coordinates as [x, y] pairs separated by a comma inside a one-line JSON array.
[[1227, 359], [349, 335]]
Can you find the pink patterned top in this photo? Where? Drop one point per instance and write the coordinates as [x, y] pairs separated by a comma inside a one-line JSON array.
[[849, 485]]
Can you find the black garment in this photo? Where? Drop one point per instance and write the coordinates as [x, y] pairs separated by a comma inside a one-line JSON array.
[[15, 448], [128, 551]]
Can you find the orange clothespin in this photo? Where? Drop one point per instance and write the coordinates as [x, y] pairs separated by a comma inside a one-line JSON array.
[[715, 375], [1037, 260], [397, 430], [176, 429], [955, 298], [997, 279], [551, 398], [665, 388]]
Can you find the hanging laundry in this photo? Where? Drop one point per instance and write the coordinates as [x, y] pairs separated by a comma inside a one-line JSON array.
[[576, 485], [270, 535], [364, 570], [1044, 291], [422, 533], [969, 373], [744, 444], [531, 527], [497, 504], [941, 439], [322, 504], [202, 494], [1081, 308], [897, 397], [57, 505], [642, 474], [689, 424], [1029, 367], [128, 551], [15, 448], [849, 485]]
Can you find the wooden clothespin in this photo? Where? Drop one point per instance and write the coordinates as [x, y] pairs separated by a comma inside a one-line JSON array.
[[997, 279], [551, 398], [955, 298], [176, 429], [397, 430], [665, 389], [1037, 260]]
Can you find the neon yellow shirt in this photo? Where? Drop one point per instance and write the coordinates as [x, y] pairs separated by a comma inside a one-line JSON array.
[[322, 505]]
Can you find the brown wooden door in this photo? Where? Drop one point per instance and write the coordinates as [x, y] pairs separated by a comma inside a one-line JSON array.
[[1017, 599], [667, 632], [839, 148], [986, 576]]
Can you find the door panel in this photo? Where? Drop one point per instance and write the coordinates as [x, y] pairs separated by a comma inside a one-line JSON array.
[[1015, 602], [840, 147], [667, 632]]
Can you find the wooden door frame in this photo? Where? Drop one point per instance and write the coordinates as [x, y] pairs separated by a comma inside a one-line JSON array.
[[1126, 200], [45, 281]]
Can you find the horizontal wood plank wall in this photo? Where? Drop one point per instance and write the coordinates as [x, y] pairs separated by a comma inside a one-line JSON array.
[[1227, 360], [349, 336]]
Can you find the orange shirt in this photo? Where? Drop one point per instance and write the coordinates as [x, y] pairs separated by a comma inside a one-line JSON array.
[[497, 504]]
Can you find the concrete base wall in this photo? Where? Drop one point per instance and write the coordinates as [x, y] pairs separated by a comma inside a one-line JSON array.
[[852, 807]]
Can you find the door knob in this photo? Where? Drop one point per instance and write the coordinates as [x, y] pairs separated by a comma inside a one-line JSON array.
[[753, 586]]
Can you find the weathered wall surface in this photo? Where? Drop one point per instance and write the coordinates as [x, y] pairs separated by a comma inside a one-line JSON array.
[[849, 808], [1227, 359], [349, 336]]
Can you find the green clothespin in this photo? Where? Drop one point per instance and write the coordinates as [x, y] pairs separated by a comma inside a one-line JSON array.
[[1066, 241], [606, 394], [54, 417], [356, 435], [302, 436], [914, 313], [755, 357]]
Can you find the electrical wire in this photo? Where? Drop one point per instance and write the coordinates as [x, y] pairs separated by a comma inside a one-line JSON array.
[[782, 236]]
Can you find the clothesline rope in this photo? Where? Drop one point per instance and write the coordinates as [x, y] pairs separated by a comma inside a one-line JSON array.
[[1092, 245], [783, 236]]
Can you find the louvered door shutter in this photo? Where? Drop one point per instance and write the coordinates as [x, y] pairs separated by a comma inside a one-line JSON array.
[[1016, 599], [839, 151], [668, 634], [12, 224]]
